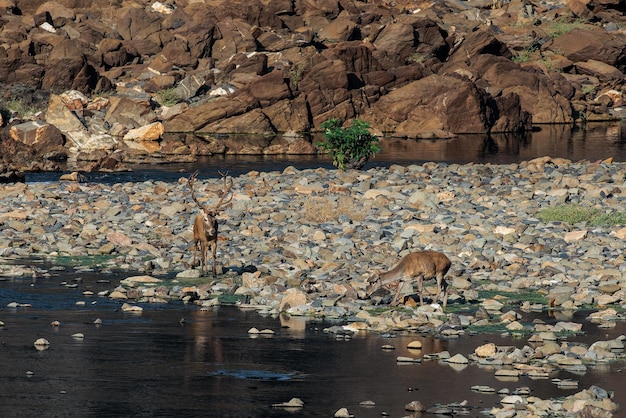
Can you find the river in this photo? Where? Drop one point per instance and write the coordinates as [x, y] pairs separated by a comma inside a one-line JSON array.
[[597, 141], [174, 360]]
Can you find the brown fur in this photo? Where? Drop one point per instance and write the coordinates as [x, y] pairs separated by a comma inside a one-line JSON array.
[[415, 266], [205, 236], [205, 226]]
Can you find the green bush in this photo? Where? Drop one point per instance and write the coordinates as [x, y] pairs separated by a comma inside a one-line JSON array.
[[349, 147], [563, 26], [19, 107], [573, 214], [168, 97]]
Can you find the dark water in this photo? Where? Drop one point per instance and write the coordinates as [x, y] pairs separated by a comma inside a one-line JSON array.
[[597, 141], [174, 360]]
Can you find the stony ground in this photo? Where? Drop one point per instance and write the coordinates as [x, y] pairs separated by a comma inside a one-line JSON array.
[[305, 242]]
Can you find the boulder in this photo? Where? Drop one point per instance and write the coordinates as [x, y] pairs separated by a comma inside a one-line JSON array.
[[433, 106], [36, 133], [289, 115], [537, 93], [599, 69], [130, 111], [340, 29], [581, 45], [394, 44]]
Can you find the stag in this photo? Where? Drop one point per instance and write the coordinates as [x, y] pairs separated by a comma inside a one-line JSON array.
[[419, 266], [205, 224]]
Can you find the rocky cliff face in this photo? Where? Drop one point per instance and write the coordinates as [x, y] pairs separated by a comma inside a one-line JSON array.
[[119, 75]]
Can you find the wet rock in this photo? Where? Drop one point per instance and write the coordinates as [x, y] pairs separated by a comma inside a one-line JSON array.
[[292, 403], [414, 406], [486, 350], [343, 413], [42, 344], [415, 345], [458, 359], [126, 307]]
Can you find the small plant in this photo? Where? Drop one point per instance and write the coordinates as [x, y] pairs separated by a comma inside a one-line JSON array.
[[19, 107], [295, 74], [561, 27], [168, 97], [349, 147], [418, 58], [588, 89], [550, 66], [525, 54], [573, 214]]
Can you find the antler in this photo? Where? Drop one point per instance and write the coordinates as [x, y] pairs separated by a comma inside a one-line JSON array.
[[191, 179], [226, 190]]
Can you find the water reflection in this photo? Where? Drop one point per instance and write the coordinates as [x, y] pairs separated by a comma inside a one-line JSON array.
[[596, 141]]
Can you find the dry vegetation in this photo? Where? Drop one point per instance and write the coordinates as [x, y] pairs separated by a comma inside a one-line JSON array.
[[320, 209]]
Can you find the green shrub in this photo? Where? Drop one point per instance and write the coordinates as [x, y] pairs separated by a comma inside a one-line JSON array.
[[349, 147], [563, 26], [295, 74], [168, 97], [19, 107], [573, 214]]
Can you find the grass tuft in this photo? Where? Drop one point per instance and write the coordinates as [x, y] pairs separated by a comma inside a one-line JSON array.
[[573, 214], [327, 209]]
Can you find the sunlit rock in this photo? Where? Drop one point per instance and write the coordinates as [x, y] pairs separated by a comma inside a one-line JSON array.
[[42, 344], [131, 308], [292, 403], [343, 413]]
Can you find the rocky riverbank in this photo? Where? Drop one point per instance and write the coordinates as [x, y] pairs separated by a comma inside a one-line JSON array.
[[319, 234], [305, 243]]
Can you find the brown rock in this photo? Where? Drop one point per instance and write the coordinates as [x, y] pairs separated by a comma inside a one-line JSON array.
[[292, 298], [270, 88], [150, 132], [252, 122], [486, 350], [432, 104], [340, 29], [289, 115], [36, 133], [130, 112], [236, 36], [599, 69], [394, 45], [536, 92], [475, 44], [58, 13], [580, 45]]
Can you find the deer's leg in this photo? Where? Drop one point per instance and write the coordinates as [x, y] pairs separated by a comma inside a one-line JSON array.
[[203, 251], [195, 251], [439, 283], [445, 293], [394, 302], [213, 252], [420, 288]]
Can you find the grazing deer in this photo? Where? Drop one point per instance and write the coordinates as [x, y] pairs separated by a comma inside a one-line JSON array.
[[205, 224], [420, 265]]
